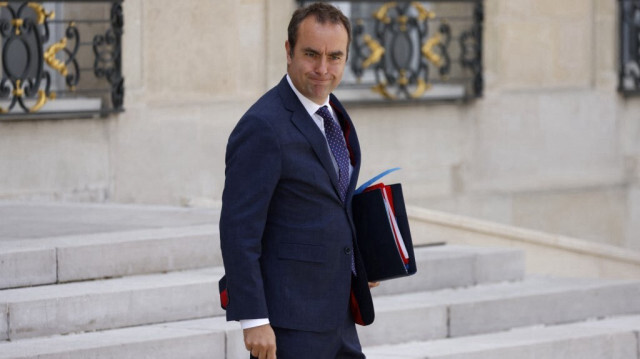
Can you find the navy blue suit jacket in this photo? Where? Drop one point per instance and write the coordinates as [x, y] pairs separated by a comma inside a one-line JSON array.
[[286, 237]]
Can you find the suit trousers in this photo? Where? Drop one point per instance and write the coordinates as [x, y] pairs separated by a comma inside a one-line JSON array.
[[341, 343]]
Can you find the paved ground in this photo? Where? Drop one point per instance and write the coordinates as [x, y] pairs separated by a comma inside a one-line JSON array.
[[27, 220]]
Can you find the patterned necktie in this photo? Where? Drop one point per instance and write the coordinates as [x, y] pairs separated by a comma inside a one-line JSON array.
[[338, 148], [335, 138]]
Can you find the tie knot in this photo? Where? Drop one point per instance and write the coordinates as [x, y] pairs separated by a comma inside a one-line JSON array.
[[324, 113]]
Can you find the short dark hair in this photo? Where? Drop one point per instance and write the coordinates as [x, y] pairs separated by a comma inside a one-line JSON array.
[[323, 13]]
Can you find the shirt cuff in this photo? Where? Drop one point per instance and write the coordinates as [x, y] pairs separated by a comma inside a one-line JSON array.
[[251, 323]]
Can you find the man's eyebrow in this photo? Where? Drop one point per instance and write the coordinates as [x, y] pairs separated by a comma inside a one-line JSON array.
[[316, 52], [308, 49]]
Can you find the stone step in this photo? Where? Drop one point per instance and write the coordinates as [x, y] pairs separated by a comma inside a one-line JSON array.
[[106, 255], [452, 266], [197, 339], [496, 307], [107, 304], [138, 300], [117, 254], [613, 338]]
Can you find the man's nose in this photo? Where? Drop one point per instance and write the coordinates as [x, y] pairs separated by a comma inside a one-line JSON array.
[[321, 65]]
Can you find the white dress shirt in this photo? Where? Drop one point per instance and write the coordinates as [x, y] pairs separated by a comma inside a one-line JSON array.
[[312, 108]]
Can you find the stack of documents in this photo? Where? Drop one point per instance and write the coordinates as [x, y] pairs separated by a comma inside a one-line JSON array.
[[387, 198], [382, 230]]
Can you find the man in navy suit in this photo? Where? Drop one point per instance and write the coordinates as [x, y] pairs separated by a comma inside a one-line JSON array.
[[294, 276]]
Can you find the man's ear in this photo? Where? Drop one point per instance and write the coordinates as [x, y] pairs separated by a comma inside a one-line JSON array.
[[287, 47]]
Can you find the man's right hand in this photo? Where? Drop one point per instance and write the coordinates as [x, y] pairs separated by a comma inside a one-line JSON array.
[[261, 341]]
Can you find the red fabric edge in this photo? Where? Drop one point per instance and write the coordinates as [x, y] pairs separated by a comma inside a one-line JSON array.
[[355, 309], [224, 299]]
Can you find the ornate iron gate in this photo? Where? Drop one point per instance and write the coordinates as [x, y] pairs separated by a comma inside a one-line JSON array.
[[61, 59], [413, 50]]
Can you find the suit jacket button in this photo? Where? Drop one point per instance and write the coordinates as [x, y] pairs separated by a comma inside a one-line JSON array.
[[347, 250]]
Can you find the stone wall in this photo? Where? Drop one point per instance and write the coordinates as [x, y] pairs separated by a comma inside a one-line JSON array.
[[551, 145]]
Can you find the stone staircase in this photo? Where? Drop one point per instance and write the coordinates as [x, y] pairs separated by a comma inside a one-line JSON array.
[[125, 282]]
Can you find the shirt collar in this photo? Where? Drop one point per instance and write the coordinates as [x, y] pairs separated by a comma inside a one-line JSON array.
[[309, 105]]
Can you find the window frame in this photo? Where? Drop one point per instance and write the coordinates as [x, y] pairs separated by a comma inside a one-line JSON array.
[[438, 80], [60, 54], [629, 51]]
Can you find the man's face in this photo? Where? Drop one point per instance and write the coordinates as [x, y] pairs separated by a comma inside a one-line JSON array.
[[317, 62]]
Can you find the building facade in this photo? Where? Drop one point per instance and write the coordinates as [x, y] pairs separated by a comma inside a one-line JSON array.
[[551, 144]]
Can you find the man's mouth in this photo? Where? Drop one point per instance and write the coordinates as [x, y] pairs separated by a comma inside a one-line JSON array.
[[319, 80]]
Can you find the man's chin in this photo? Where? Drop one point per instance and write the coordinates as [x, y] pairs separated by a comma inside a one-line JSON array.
[[317, 96]]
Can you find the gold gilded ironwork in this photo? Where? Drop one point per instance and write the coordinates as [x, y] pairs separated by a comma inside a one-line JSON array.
[[38, 8], [423, 13], [50, 57], [381, 88], [427, 50], [18, 91], [403, 20], [42, 13], [17, 23], [422, 87], [403, 80], [377, 51], [381, 13], [42, 99]]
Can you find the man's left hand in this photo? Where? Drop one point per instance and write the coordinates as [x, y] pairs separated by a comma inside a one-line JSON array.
[[373, 284]]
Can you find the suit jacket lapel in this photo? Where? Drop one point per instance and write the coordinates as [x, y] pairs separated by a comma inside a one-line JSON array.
[[309, 129], [352, 140]]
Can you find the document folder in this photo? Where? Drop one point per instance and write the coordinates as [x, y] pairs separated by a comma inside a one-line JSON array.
[[382, 231]]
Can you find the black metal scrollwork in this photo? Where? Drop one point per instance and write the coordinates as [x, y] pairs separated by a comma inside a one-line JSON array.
[[72, 79], [471, 45], [392, 50], [402, 48], [31, 63], [108, 57], [629, 82], [23, 78]]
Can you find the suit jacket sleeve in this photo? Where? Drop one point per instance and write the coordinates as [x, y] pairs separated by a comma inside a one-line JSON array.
[[253, 164]]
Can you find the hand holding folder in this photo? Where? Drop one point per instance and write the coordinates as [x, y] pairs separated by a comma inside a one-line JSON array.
[[382, 229], [383, 239]]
